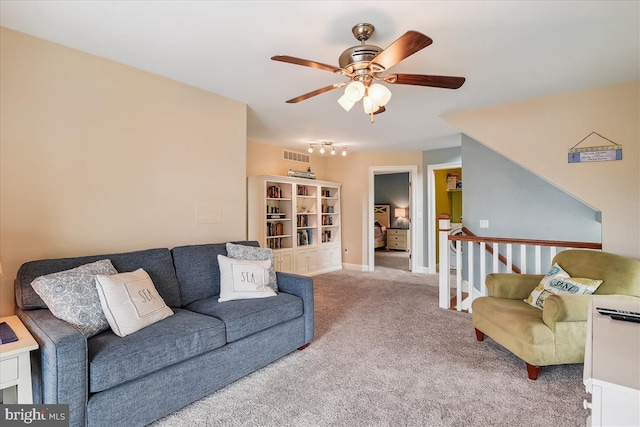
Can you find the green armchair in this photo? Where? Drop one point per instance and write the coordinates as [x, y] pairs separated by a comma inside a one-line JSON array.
[[557, 334]]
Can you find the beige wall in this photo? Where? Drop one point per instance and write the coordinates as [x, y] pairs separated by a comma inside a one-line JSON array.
[[266, 159], [352, 171], [538, 133], [97, 157]]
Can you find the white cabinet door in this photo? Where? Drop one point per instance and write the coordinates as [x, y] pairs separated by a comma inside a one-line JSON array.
[[283, 261], [331, 258], [306, 261]]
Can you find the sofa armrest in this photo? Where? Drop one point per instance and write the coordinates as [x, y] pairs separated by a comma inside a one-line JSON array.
[[511, 286], [565, 308], [302, 287], [60, 365], [571, 308]]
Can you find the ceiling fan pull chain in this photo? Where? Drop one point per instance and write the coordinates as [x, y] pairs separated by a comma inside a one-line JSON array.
[[371, 114]]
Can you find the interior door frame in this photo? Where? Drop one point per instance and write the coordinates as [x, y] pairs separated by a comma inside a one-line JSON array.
[[415, 215], [431, 211]]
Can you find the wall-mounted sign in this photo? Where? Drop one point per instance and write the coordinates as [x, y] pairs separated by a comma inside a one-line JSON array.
[[595, 153]]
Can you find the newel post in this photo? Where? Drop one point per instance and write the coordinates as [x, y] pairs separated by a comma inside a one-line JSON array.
[[444, 226]]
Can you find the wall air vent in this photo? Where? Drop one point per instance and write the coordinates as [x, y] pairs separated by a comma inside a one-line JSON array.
[[296, 157]]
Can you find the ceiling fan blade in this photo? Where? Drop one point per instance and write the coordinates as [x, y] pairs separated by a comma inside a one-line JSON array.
[[306, 63], [408, 44], [315, 92], [446, 82]]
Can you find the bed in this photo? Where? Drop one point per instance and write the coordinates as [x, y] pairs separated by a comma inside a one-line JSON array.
[[382, 217]]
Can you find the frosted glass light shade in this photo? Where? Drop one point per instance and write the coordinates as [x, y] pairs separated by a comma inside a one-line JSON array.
[[354, 91], [380, 94], [345, 103], [369, 105]]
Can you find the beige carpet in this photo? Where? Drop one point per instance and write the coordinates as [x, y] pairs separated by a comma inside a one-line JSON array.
[[385, 355], [397, 260]]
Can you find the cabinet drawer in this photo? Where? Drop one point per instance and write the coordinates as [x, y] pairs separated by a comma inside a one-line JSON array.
[[9, 369], [397, 245], [401, 239]]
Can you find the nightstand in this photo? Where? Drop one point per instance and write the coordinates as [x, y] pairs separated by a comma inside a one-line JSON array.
[[15, 364], [398, 238]]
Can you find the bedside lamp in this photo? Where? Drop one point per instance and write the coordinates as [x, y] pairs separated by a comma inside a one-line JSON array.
[[400, 212]]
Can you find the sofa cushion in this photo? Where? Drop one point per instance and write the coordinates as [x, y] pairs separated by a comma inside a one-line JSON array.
[[114, 360], [516, 318], [620, 274], [245, 317], [156, 262], [197, 269]]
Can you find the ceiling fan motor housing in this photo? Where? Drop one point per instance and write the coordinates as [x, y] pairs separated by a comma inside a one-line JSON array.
[[356, 59]]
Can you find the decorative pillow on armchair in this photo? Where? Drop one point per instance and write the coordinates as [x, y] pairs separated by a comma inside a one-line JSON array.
[[71, 295], [243, 279], [254, 253], [557, 281]]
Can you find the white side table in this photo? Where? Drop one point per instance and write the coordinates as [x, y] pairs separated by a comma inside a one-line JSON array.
[[15, 364]]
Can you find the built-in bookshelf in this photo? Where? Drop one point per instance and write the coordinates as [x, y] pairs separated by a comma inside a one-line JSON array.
[[299, 219]]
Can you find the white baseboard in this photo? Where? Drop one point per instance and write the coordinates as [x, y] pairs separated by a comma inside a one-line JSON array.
[[356, 267]]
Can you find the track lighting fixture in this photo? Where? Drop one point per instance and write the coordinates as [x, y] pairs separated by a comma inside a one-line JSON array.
[[324, 146]]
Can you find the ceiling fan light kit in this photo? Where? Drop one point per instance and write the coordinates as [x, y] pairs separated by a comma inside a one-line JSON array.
[[364, 64]]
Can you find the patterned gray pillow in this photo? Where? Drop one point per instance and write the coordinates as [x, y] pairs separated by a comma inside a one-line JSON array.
[[71, 295], [254, 253]]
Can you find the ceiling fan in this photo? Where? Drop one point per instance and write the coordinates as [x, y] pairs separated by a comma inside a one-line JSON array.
[[365, 65]]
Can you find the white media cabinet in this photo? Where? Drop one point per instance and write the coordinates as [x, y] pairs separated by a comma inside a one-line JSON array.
[[612, 365]]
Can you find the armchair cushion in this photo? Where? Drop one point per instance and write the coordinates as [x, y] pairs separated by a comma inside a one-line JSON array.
[[511, 286]]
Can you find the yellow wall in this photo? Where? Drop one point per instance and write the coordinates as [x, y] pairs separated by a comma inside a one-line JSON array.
[[445, 200], [538, 133], [98, 157]]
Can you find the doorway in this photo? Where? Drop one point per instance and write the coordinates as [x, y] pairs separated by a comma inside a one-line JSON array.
[[435, 175], [392, 222], [411, 221]]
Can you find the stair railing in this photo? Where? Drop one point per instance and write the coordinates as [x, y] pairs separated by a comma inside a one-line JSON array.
[[526, 250]]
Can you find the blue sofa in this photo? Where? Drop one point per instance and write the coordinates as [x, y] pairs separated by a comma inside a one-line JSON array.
[[109, 380]]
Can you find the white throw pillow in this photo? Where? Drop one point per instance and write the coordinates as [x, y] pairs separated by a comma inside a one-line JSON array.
[[71, 295], [255, 253], [243, 279], [130, 301]]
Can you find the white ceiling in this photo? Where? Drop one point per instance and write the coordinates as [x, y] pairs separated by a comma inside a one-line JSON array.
[[507, 50]]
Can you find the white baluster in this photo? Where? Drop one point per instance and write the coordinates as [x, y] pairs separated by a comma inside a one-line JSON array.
[[470, 276], [458, 275], [444, 282], [538, 259], [509, 258], [523, 259], [496, 255], [483, 268]]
